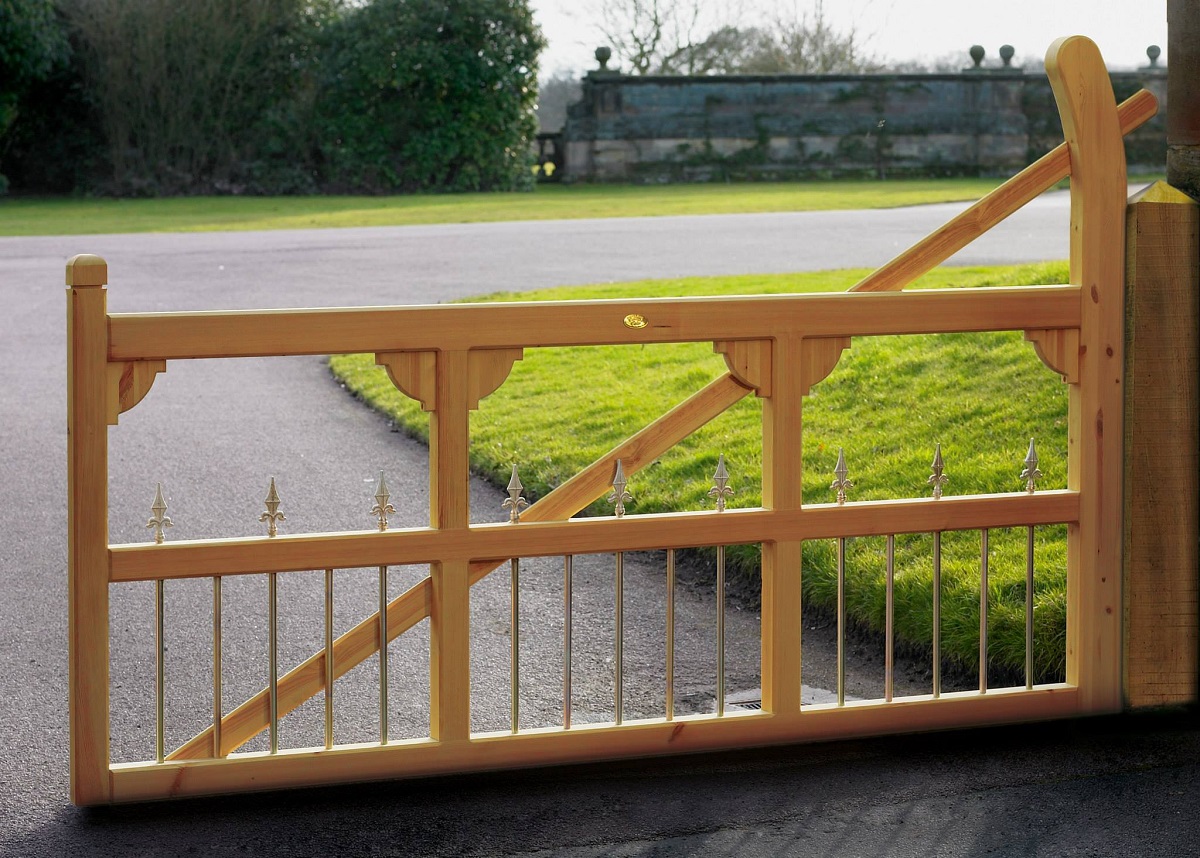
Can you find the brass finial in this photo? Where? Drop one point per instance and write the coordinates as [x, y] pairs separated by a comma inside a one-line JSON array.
[[272, 516], [159, 520], [619, 495], [514, 503], [937, 479], [382, 508], [720, 489], [840, 473], [1031, 474]]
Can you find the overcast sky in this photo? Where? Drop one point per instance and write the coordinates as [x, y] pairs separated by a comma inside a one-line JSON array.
[[921, 29]]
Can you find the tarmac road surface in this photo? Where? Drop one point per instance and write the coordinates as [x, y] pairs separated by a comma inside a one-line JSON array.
[[213, 432]]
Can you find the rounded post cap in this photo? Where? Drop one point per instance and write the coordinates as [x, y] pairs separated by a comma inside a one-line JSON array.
[[86, 269]]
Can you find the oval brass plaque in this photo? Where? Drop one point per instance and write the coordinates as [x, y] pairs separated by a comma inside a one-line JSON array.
[[635, 320]]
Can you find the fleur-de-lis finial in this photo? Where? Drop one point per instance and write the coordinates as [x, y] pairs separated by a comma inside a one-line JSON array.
[[619, 495], [937, 479], [840, 473], [382, 508], [1031, 474], [720, 489], [159, 520], [514, 503], [272, 516]]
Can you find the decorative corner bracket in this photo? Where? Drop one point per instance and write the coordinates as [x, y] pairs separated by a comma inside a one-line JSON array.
[[128, 383], [749, 361], [415, 373], [1057, 348], [820, 356]]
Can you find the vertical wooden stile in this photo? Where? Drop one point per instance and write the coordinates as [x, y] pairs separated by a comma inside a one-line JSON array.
[[1083, 92], [87, 510], [781, 560], [450, 631], [1162, 439]]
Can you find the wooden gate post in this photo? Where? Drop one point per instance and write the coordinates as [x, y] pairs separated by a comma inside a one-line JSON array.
[[87, 537], [1083, 92], [781, 488], [449, 615], [1162, 434]]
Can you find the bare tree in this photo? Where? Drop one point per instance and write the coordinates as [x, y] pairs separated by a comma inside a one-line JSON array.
[[657, 36], [706, 37]]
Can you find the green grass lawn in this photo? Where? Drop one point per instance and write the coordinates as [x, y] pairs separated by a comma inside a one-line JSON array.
[[982, 396], [81, 216]]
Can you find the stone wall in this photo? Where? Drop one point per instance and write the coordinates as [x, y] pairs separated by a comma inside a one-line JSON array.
[[743, 127]]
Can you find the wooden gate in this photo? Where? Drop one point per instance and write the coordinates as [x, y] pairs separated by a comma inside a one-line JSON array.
[[449, 357]]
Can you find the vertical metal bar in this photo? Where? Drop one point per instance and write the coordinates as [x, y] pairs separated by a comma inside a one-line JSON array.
[[670, 703], [383, 655], [216, 665], [720, 630], [160, 674], [273, 655], [620, 634], [329, 658], [937, 614], [983, 613], [889, 631], [1029, 607], [515, 647], [841, 622], [567, 642]]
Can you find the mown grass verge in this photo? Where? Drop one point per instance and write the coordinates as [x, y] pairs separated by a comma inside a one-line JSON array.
[[81, 216], [982, 396]]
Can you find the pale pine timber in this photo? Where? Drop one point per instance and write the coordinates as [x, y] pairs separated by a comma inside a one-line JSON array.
[[781, 481], [587, 743], [1162, 437], [1083, 92], [1058, 350], [128, 384], [459, 327], [87, 529], [962, 229], [449, 493], [482, 542], [408, 609]]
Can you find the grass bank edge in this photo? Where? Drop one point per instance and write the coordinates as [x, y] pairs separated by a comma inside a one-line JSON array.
[[887, 429], [84, 216]]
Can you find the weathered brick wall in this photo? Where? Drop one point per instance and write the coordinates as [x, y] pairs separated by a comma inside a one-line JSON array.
[[674, 128]]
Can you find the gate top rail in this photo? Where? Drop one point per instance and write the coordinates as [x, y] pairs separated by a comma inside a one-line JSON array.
[[260, 333]]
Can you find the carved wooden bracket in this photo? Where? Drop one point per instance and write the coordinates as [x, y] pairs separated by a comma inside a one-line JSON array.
[[749, 361], [821, 355], [1058, 348], [128, 382], [415, 373]]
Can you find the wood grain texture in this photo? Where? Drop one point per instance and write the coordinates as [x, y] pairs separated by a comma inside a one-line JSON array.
[[1083, 92], [413, 373], [749, 361], [400, 547], [1058, 350], [449, 510], [1162, 437], [128, 384], [588, 743], [781, 481], [451, 327], [87, 530]]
